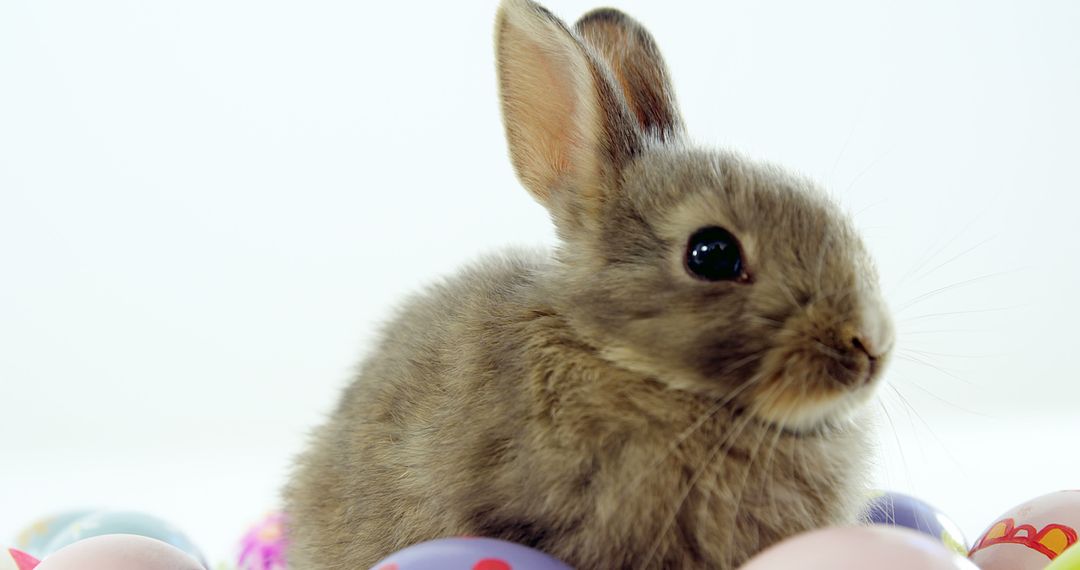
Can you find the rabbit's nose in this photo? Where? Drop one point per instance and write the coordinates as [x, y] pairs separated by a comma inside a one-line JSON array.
[[858, 344], [871, 331]]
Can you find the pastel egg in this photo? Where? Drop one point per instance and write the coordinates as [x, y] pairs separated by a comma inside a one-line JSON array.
[[119, 552], [469, 554], [35, 537], [859, 548], [123, 522], [1032, 535], [898, 509]]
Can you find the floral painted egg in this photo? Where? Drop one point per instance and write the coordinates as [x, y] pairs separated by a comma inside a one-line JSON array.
[[469, 554], [122, 522], [898, 509], [263, 547], [1032, 535], [858, 548], [36, 536]]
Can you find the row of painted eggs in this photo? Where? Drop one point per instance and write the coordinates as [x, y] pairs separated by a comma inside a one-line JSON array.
[[906, 534], [1030, 536], [1038, 535]]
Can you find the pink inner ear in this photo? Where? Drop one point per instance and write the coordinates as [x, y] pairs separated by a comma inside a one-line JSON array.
[[23, 560]]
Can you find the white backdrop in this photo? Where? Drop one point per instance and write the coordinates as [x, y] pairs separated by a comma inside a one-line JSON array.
[[207, 206]]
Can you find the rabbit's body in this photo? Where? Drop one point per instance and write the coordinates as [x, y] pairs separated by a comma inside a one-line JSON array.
[[677, 385], [512, 434]]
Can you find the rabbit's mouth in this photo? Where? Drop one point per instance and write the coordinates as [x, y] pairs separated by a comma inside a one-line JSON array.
[[805, 387]]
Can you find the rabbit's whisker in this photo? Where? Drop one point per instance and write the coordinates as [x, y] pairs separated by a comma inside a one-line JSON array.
[[911, 410], [931, 253], [933, 293], [896, 438], [910, 358], [956, 313]]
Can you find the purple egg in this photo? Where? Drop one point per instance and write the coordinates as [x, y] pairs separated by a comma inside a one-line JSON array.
[[898, 509], [469, 554]]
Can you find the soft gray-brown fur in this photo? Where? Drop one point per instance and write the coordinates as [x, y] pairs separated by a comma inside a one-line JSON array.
[[599, 402]]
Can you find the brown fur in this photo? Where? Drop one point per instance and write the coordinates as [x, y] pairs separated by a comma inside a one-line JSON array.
[[599, 403]]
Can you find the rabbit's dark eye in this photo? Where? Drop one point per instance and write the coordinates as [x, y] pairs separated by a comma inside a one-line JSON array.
[[713, 254]]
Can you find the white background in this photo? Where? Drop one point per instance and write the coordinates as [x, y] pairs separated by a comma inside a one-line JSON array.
[[207, 206]]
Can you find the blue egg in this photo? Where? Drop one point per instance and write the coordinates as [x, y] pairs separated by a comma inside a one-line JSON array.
[[34, 539], [123, 522]]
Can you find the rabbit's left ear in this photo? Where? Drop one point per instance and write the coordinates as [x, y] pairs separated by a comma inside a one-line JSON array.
[[567, 125], [631, 53]]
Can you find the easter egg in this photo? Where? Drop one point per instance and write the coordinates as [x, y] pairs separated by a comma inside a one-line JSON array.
[[122, 522], [35, 537], [1030, 536], [119, 552], [1069, 560], [263, 547], [898, 509], [469, 554], [859, 548]]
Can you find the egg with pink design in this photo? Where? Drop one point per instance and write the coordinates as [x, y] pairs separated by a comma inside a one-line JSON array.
[[1031, 535], [465, 553]]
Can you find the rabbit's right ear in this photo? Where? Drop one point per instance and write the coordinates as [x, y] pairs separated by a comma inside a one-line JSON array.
[[567, 125], [635, 61]]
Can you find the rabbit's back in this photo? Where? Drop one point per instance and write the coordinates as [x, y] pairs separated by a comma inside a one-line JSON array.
[[423, 419]]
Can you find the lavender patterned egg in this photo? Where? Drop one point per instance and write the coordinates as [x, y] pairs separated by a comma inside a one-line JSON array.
[[469, 554], [898, 509]]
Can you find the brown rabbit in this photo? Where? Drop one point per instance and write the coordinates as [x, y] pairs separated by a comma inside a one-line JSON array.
[[678, 385]]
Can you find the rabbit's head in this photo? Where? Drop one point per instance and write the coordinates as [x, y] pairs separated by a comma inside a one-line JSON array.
[[701, 269]]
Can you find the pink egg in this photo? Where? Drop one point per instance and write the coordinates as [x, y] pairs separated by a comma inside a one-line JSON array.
[[1030, 536], [859, 548], [119, 552]]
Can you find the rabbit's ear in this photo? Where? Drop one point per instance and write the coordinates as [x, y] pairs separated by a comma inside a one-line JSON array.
[[567, 125], [629, 50]]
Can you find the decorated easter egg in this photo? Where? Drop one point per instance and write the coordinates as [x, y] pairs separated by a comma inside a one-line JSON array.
[[117, 552], [123, 522], [263, 547], [35, 537], [898, 509], [1031, 535], [469, 554], [859, 548], [1069, 560]]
